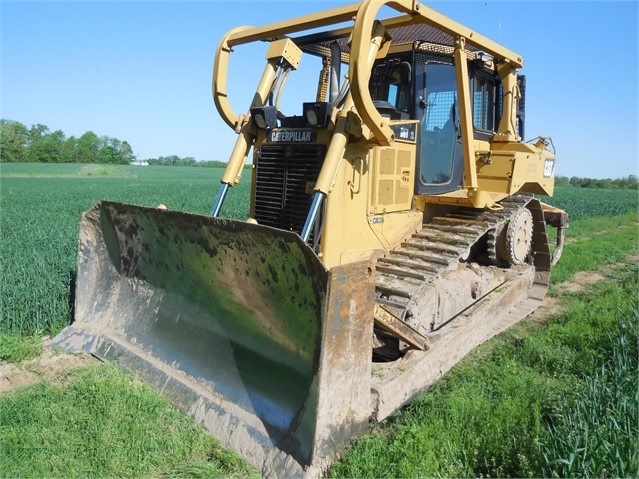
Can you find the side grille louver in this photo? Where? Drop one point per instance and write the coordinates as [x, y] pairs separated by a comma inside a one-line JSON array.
[[282, 175]]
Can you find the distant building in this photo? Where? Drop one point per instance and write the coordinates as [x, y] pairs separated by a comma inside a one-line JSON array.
[[137, 162]]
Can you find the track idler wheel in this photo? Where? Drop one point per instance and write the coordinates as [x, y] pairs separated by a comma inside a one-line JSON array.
[[514, 239]]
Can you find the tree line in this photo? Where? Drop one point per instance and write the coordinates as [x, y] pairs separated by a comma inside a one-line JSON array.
[[39, 144], [630, 182], [174, 160]]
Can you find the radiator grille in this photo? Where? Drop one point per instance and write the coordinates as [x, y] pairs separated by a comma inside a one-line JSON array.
[[282, 175]]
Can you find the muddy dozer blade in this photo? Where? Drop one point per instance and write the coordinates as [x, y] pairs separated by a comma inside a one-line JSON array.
[[240, 325]]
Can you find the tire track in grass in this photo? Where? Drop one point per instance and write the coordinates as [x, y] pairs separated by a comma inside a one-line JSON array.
[[578, 282]]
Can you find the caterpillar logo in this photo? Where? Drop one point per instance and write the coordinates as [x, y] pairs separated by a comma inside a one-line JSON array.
[[549, 168], [292, 136]]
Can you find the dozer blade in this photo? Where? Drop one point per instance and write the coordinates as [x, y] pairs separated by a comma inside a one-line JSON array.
[[240, 325]]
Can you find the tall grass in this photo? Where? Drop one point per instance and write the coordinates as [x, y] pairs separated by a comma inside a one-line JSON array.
[[41, 206], [15, 348], [584, 203], [594, 242], [595, 432]]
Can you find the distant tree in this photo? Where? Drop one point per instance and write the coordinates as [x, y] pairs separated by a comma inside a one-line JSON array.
[[630, 182], [37, 132], [173, 160], [89, 148], [188, 161], [606, 183], [112, 150], [70, 152], [47, 147], [14, 139], [213, 164], [108, 150], [39, 144], [126, 152]]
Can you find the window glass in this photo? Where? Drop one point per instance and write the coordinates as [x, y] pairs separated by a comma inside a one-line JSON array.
[[390, 87], [484, 103], [439, 125]]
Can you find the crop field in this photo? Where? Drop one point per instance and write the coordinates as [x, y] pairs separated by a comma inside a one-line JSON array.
[[585, 203], [41, 207], [521, 420]]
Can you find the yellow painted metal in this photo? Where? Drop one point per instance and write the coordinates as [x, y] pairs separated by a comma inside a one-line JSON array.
[[465, 114], [360, 221], [335, 152], [360, 70], [492, 170], [286, 50], [220, 74], [393, 179], [233, 170], [366, 13], [507, 130], [341, 135], [277, 52]]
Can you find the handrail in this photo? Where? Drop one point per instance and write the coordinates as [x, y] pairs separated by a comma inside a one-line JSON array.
[[363, 14]]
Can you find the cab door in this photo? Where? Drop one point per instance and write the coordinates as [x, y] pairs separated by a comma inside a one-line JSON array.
[[440, 165]]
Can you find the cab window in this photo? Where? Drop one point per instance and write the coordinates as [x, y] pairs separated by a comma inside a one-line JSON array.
[[439, 125], [390, 88], [484, 88]]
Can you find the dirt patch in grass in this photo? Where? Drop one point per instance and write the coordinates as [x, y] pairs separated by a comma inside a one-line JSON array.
[[549, 307], [581, 280], [50, 366], [553, 305]]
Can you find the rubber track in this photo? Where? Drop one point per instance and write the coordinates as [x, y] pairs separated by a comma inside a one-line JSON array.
[[444, 242]]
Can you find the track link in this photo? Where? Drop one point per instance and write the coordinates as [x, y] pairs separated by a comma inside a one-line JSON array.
[[446, 241]]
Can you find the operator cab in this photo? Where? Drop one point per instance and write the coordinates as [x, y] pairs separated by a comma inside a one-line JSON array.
[[413, 87], [419, 82]]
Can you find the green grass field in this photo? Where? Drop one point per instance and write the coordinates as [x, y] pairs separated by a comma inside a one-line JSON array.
[[551, 398], [41, 207]]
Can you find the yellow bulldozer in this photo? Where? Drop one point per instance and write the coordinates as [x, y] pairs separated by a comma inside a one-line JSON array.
[[394, 226]]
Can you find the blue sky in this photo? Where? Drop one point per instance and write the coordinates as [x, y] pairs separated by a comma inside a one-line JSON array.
[[141, 71]]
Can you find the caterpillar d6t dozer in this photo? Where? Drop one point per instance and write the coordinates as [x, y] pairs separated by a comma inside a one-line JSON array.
[[393, 228]]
